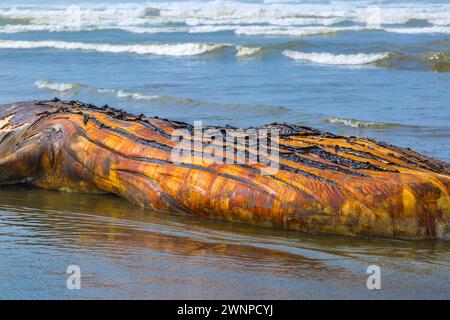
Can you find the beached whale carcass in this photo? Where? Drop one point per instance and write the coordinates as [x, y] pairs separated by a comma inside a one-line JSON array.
[[323, 183]]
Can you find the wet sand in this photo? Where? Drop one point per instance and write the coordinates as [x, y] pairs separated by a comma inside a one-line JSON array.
[[128, 252]]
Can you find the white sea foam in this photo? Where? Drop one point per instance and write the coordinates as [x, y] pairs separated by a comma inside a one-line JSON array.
[[336, 59], [358, 123], [239, 30], [55, 86], [101, 90], [121, 94], [433, 29], [210, 29], [135, 95], [177, 49], [440, 57], [21, 28], [135, 17], [242, 51], [292, 31], [127, 95], [153, 30], [259, 20]]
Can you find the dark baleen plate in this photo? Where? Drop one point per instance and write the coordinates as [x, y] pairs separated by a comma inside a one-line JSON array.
[[325, 183]]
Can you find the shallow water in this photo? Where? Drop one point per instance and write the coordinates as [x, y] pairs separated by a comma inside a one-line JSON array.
[[316, 63], [127, 252]]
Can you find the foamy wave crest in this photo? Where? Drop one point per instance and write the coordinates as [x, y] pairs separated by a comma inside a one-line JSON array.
[[210, 29], [292, 31], [258, 20], [126, 95], [120, 94], [133, 95], [153, 30], [55, 86], [69, 89], [424, 30], [339, 59], [181, 49], [21, 28], [136, 17], [358, 123], [242, 51], [440, 57]]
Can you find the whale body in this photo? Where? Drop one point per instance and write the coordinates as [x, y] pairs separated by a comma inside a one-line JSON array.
[[322, 183]]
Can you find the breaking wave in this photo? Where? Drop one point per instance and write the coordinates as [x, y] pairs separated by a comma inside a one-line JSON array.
[[438, 61], [292, 31], [336, 59], [440, 57], [120, 94], [423, 30], [181, 49], [156, 98], [242, 51], [198, 16], [61, 87], [177, 49], [252, 30], [359, 123], [133, 95]]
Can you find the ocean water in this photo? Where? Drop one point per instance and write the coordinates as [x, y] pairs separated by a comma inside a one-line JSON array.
[[365, 68]]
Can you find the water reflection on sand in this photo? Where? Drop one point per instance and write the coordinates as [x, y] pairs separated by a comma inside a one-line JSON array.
[[128, 252]]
